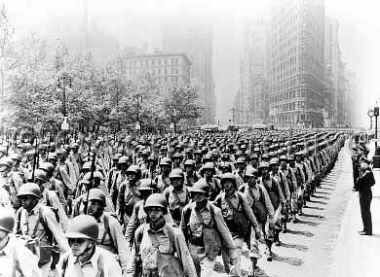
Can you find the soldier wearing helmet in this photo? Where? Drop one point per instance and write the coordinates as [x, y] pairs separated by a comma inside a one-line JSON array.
[[241, 164], [85, 257], [191, 175], [119, 178], [239, 218], [205, 230], [13, 250], [162, 181], [40, 224], [290, 176], [277, 199], [208, 172], [10, 180], [260, 203], [128, 194], [110, 235], [177, 195], [139, 216], [160, 249]]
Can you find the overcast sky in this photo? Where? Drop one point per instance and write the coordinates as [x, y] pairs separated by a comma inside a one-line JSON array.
[[133, 22]]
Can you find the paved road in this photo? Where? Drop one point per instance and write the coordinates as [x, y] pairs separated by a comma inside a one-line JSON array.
[[357, 255], [308, 245]]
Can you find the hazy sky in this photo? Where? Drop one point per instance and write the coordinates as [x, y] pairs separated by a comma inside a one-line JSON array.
[[133, 22]]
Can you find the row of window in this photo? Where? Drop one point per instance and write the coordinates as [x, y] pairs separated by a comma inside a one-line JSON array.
[[153, 62], [154, 71]]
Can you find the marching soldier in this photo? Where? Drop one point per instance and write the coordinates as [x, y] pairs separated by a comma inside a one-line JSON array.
[[10, 180], [160, 249], [86, 258]]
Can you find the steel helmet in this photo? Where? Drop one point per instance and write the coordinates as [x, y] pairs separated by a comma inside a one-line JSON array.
[[87, 166], [166, 162], [96, 175], [97, 195], [264, 165], [7, 219], [209, 166], [47, 167], [134, 169], [83, 226], [176, 173], [123, 160], [253, 156], [283, 158], [41, 175], [29, 189], [200, 186], [116, 157], [290, 158], [6, 161], [251, 172], [241, 160], [52, 156], [156, 200], [273, 161], [189, 162], [177, 155]]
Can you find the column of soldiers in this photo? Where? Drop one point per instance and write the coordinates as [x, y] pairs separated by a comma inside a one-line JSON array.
[[154, 205]]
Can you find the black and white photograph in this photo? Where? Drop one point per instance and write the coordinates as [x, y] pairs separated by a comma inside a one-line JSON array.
[[189, 138]]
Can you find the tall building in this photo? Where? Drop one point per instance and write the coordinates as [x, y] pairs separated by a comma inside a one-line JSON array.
[[296, 57], [168, 69], [337, 97], [193, 37], [253, 105]]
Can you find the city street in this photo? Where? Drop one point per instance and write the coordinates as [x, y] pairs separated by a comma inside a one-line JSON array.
[[327, 232]]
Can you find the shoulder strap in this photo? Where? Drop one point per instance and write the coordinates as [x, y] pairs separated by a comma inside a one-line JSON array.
[[100, 264], [44, 224], [65, 262], [107, 230]]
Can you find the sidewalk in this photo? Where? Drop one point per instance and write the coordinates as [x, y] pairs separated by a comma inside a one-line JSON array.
[[355, 255]]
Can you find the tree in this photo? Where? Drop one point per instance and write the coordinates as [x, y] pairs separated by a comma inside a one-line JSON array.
[[182, 103]]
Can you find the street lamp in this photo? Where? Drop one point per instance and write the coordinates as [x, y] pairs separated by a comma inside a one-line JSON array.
[[370, 113], [376, 157], [63, 81]]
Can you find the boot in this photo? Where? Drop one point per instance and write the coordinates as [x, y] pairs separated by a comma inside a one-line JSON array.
[[254, 263], [269, 251], [277, 238]]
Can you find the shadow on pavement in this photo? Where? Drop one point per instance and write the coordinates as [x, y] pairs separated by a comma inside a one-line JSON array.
[[322, 192], [307, 222], [288, 260], [317, 202], [321, 197], [314, 216], [298, 247], [302, 233], [315, 208]]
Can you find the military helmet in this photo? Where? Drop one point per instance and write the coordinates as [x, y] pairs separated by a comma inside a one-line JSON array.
[[123, 160], [176, 173], [283, 158], [208, 166], [16, 157], [177, 155], [47, 167], [156, 200], [116, 157], [52, 157], [253, 156], [189, 162], [251, 172], [227, 177], [264, 165], [241, 160], [41, 175], [166, 162], [6, 161], [83, 226], [7, 220], [31, 189], [134, 169], [273, 161], [97, 195], [96, 175], [200, 186]]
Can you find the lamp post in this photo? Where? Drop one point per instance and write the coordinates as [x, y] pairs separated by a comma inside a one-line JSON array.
[[63, 81], [370, 114], [376, 156]]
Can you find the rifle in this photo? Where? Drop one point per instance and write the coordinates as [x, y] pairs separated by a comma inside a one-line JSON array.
[[36, 157], [91, 178]]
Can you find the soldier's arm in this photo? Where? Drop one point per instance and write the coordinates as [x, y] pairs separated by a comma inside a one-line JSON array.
[[55, 229], [223, 229], [268, 203], [132, 225], [184, 254], [248, 211], [119, 241]]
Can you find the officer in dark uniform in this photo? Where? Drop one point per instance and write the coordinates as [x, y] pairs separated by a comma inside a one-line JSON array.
[[363, 185]]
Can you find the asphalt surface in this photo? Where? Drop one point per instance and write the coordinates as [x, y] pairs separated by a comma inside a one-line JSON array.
[[308, 246]]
